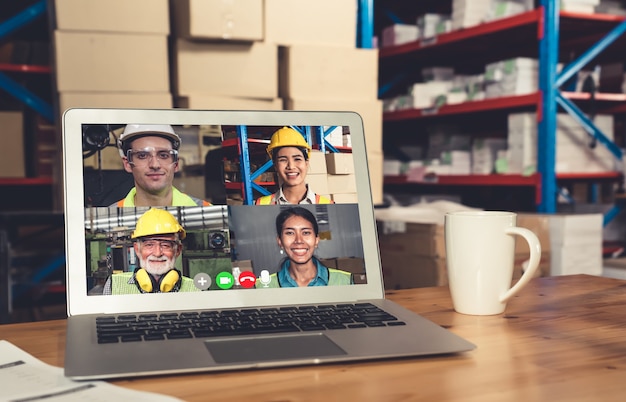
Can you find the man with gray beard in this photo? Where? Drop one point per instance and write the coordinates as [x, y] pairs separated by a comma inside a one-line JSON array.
[[157, 243]]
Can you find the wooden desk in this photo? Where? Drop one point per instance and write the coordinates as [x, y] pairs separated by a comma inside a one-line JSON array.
[[562, 338]]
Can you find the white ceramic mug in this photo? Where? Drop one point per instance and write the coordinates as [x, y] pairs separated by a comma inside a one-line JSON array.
[[480, 252]]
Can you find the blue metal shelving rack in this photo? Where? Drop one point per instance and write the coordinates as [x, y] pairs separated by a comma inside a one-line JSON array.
[[6, 83], [365, 34], [248, 176], [549, 84]]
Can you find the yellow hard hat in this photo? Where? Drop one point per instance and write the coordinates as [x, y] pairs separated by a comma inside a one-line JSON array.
[[287, 137], [157, 221]]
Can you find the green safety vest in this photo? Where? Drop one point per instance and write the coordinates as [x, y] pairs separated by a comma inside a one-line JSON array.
[[120, 285], [178, 200], [271, 200], [336, 277]]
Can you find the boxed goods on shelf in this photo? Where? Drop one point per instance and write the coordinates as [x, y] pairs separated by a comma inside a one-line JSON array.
[[466, 13], [85, 62], [218, 19], [573, 153], [319, 182], [576, 244], [612, 78], [137, 16], [232, 69], [511, 77], [321, 72], [12, 157], [339, 163], [341, 183], [371, 111], [207, 101], [414, 254], [506, 8], [157, 100], [398, 34], [485, 153], [431, 25], [321, 22], [579, 6], [317, 163]]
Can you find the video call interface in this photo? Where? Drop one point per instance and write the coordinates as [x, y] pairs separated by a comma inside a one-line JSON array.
[[228, 226]]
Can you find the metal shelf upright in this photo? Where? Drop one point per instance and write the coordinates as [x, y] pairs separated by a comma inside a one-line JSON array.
[[9, 85], [549, 85], [248, 177]]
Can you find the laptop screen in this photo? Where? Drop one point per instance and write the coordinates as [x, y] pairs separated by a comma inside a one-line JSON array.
[[216, 205]]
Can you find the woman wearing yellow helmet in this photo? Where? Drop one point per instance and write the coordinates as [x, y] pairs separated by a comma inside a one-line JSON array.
[[290, 154]]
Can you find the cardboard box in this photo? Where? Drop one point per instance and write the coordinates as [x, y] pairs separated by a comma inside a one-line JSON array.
[[338, 183], [136, 16], [399, 272], [398, 34], [539, 224], [309, 71], [326, 22], [351, 264], [12, 158], [204, 101], [544, 265], [339, 163], [345, 198], [329, 262], [218, 19], [111, 62], [317, 163], [420, 239], [371, 111], [359, 279], [318, 183], [242, 69], [149, 100]]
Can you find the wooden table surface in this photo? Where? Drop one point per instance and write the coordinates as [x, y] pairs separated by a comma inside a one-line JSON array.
[[562, 338]]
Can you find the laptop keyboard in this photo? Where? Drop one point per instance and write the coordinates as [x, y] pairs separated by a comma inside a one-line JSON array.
[[150, 327]]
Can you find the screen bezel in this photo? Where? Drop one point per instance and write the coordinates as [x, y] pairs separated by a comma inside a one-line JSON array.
[[80, 303]]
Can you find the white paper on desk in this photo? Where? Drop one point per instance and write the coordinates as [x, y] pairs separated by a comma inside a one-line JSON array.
[[25, 378]]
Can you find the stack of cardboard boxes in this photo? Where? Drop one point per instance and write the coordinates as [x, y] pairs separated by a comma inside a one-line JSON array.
[[574, 153], [275, 54], [220, 59], [12, 163], [237, 55], [414, 254], [354, 265], [112, 54], [320, 68]]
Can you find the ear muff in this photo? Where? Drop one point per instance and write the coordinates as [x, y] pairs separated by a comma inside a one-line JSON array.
[[170, 282]]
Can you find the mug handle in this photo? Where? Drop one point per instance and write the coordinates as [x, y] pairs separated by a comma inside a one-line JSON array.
[[533, 261]]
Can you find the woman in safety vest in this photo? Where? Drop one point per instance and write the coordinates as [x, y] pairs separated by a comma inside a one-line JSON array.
[[298, 236], [290, 154]]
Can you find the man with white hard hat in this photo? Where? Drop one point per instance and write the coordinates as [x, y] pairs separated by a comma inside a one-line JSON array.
[[150, 153]]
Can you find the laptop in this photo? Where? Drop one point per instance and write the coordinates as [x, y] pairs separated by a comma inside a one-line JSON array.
[[230, 253]]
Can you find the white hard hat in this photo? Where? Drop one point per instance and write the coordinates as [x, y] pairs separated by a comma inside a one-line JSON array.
[[133, 131]]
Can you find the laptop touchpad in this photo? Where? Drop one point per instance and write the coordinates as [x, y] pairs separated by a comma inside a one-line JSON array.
[[277, 347]]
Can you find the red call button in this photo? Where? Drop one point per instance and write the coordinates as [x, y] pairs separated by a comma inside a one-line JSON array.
[[247, 279]]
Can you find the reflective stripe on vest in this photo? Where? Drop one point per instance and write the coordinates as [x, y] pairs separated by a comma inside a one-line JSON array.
[[271, 200], [336, 277]]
